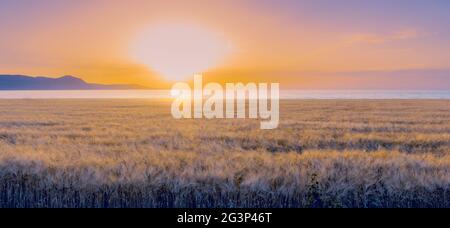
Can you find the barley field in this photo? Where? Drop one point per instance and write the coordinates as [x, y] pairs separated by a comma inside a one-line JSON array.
[[132, 153]]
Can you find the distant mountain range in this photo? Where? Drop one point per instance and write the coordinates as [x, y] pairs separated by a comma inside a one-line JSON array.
[[22, 82]]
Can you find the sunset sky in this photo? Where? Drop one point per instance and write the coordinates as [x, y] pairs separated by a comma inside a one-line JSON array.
[[348, 44]]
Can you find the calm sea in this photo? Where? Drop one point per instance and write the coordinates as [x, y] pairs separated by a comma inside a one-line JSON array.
[[286, 94]]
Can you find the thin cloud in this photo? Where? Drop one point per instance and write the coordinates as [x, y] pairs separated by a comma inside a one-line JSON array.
[[373, 38]]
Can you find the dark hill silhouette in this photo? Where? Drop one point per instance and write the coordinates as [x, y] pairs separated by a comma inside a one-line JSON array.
[[22, 82]]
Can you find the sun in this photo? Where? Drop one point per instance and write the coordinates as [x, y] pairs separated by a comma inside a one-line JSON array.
[[178, 50]]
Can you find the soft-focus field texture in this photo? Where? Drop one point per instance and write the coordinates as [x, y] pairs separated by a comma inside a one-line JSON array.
[[131, 153]]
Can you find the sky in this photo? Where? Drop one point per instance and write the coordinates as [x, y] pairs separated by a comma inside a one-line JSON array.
[[320, 44]]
